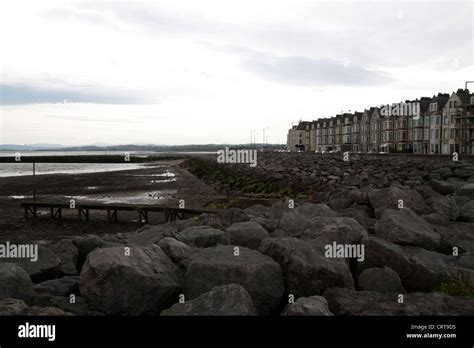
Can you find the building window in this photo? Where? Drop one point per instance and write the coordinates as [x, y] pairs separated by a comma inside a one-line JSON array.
[[433, 106]]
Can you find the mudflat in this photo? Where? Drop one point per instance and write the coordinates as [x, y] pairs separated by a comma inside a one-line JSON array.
[[157, 183]]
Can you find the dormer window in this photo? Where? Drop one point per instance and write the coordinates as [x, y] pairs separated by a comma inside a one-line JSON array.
[[433, 106]]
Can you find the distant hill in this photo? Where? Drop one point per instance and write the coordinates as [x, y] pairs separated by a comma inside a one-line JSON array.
[[29, 147], [132, 147]]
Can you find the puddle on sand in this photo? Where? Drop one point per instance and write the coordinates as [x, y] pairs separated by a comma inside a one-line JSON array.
[[164, 180], [167, 174], [19, 197]]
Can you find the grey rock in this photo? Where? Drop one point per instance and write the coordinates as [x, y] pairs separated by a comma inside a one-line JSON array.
[[229, 299], [257, 273], [349, 302], [14, 282], [46, 267], [179, 252], [442, 187], [312, 210], [15, 307], [231, 216], [456, 234], [311, 306], [248, 234], [466, 213], [388, 198], [384, 280], [326, 230], [147, 281], [68, 254], [59, 287], [416, 274], [445, 206], [404, 227], [200, 236], [306, 269]]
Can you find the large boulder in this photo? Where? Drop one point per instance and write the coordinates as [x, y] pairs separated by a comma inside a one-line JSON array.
[[388, 198], [248, 234], [384, 280], [86, 244], [142, 281], [152, 234], [306, 269], [312, 306], [456, 234], [47, 265], [326, 230], [68, 254], [293, 223], [445, 206], [422, 273], [79, 307], [414, 275], [312, 210], [467, 190], [349, 302], [200, 236], [404, 227], [59, 287], [360, 215], [179, 252], [229, 299], [231, 216], [257, 273], [15, 307], [442, 187], [14, 282], [269, 225], [466, 213]]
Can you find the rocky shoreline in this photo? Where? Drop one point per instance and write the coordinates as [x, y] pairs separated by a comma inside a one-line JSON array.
[[413, 216]]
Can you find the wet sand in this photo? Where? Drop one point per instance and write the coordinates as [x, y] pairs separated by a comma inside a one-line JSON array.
[[159, 183]]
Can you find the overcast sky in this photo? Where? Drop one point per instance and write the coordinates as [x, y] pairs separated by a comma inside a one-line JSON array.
[[181, 72]]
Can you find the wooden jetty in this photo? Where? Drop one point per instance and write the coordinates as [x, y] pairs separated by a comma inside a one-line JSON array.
[[56, 208]]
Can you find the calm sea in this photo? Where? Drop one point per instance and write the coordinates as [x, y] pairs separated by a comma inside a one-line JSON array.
[[19, 169]]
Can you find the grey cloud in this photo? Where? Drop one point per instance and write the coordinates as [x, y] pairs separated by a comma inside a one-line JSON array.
[[16, 94], [312, 72], [384, 33]]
